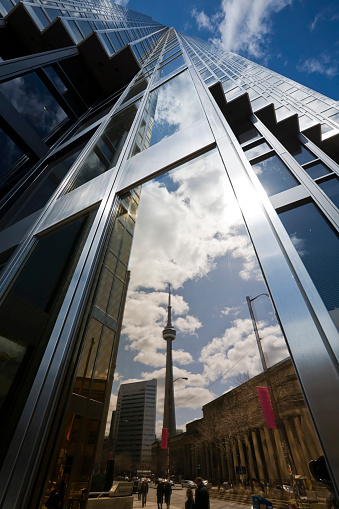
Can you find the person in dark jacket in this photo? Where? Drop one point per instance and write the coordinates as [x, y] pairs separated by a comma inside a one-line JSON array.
[[202, 497], [144, 491], [160, 494], [189, 504], [168, 493]]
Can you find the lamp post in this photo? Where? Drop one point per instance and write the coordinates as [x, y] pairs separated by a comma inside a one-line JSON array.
[[256, 332], [279, 424]]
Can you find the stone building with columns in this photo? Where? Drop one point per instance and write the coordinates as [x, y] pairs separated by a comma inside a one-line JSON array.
[[233, 442]]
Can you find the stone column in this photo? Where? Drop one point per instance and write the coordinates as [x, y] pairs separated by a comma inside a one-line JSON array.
[[235, 461], [242, 454], [208, 464], [250, 459], [258, 457], [269, 454], [223, 464], [310, 434], [304, 452], [280, 456], [294, 449]]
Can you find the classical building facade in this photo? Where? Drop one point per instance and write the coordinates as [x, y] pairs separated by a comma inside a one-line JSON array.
[[95, 101], [232, 441]]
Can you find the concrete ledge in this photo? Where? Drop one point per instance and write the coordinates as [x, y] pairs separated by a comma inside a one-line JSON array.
[[110, 502]]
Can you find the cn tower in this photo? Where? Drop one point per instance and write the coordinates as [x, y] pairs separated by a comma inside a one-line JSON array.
[[169, 334]]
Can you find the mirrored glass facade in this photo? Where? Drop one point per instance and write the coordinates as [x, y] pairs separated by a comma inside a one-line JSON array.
[[148, 176]]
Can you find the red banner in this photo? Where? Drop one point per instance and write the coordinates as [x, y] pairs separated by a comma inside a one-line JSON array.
[[164, 435], [266, 405]]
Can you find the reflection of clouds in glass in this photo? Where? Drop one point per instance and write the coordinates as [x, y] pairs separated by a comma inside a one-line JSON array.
[[190, 232], [226, 355], [180, 235], [10, 350], [144, 319], [33, 100], [299, 244], [177, 106]]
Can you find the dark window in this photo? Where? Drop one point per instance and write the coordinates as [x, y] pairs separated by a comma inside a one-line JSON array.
[[107, 150], [9, 153], [246, 132], [29, 311], [331, 188], [274, 175], [33, 100], [318, 246], [299, 152]]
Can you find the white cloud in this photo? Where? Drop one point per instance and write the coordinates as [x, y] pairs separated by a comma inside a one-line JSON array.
[[233, 310], [202, 20], [242, 25], [121, 2], [112, 406], [235, 352], [321, 65]]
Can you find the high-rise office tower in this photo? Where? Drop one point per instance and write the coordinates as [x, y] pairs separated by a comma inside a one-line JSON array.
[[134, 424], [96, 100], [169, 334]]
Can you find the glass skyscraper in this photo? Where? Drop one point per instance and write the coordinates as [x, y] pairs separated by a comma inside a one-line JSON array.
[[103, 109]]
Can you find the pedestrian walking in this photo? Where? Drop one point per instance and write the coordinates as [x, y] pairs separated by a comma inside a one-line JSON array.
[[160, 494], [168, 493], [53, 499], [144, 491], [189, 503], [202, 497], [139, 489]]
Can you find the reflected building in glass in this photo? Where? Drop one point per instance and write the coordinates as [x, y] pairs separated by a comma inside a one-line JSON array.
[[134, 426], [232, 170]]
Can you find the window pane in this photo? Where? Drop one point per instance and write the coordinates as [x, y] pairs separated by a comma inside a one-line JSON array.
[[317, 170], [331, 188], [170, 108], [318, 246], [29, 311], [170, 67], [257, 150], [107, 150], [33, 100], [274, 175], [299, 152], [9, 153], [246, 132], [207, 255]]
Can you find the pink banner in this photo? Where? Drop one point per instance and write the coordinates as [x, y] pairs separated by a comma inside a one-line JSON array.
[[266, 405], [164, 438]]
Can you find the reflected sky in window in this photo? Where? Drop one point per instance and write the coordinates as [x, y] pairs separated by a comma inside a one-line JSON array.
[[274, 175], [34, 101], [318, 246], [170, 108], [190, 233]]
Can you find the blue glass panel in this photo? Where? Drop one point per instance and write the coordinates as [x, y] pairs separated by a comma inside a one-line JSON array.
[[318, 246], [170, 107], [256, 151], [34, 101], [317, 170], [168, 68], [274, 175], [331, 188]]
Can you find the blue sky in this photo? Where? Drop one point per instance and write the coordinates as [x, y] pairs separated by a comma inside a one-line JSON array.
[[297, 38]]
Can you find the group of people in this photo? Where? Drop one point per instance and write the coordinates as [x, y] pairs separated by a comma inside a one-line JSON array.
[[202, 497], [200, 501], [164, 490]]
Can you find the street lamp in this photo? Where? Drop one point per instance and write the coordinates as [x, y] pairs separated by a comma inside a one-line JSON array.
[[256, 332]]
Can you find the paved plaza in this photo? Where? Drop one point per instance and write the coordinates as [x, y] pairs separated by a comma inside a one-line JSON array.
[[178, 500]]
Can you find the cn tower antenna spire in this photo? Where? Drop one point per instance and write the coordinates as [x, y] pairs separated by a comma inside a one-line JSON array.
[[169, 307]]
